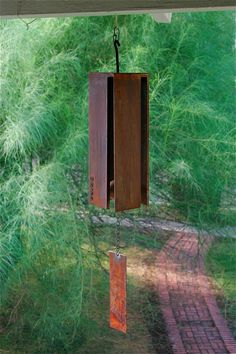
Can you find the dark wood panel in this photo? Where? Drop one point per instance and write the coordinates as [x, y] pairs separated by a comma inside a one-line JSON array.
[[118, 271], [49, 7], [127, 142], [144, 140], [98, 139]]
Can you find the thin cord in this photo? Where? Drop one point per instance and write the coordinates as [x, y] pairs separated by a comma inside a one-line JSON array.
[[116, 21]]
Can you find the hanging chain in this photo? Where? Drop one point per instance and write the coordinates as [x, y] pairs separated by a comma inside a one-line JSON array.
[[116, 21], [116, 42], [118, 224]]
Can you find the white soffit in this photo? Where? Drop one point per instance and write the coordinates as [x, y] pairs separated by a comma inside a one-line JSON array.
[[50, 8], [162, 17]]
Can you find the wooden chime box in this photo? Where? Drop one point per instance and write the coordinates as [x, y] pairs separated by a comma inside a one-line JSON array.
[[119, 140]]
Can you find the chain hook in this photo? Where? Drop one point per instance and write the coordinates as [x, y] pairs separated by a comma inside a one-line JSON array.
[[116, 42]]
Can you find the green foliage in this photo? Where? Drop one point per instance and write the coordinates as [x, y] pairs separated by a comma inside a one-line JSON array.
[[221, 263], [44, 149]]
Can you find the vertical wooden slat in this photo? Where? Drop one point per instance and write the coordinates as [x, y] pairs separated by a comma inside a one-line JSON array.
[[98, 139], [127, 141], [144, 140]]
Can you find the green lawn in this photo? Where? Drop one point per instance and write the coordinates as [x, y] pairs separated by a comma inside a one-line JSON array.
[[221, 264]]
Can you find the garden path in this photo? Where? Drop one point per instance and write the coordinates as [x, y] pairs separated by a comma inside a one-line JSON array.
[[192, 317]]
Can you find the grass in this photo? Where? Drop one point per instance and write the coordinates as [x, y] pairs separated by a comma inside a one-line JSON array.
[[221, 263]]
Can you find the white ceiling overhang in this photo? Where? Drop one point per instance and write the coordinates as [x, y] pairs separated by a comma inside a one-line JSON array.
[[49, 8]]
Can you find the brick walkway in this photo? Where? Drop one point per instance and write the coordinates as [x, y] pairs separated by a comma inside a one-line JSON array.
[[192, 317]]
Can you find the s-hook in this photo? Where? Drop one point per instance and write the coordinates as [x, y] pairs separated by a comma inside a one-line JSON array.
[[116, 42]]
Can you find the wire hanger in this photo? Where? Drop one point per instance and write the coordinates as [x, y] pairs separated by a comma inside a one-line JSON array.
[[27, 24], [116, 42]]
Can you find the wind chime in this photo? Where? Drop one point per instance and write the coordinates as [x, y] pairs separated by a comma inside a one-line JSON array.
[[118, 159]]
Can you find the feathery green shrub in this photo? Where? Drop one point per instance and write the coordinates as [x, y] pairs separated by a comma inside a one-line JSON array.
[[46, 256]]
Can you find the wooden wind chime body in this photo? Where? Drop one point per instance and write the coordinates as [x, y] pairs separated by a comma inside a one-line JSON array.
[[118, 133], [118, 160]]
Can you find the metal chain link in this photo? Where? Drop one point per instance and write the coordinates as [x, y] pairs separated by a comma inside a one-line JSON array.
[[118, 224], [116, 42]]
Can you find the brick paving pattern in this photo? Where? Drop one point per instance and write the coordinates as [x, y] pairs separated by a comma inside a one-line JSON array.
[[193, 319]]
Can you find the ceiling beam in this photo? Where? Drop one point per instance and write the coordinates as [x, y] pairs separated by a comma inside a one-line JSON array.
[[47, 8]]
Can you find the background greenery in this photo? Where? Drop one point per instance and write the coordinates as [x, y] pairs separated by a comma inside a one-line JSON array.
[[221, 263], [46, 238]]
